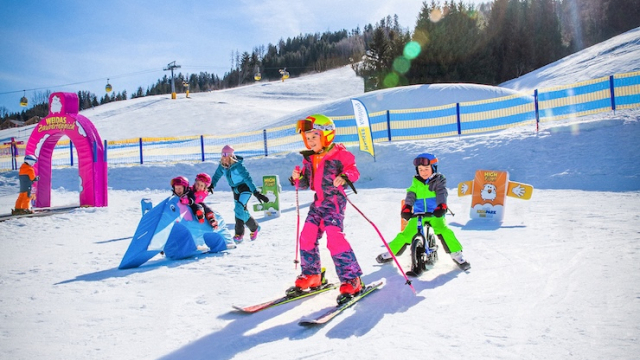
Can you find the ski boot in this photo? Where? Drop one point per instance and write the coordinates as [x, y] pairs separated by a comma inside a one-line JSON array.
[[310, 282], [254, 234], [211, 217], [237, 239], [459, 259], [383, 258], [21, 212], [349, 289], [200, 216]]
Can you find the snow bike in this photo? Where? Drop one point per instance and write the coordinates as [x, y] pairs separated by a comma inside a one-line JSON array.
[[422, 255]]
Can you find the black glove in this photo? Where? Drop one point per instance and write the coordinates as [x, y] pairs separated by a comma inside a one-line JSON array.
[[36, 178], [406, 212], [260, 197], [210, 188], [440, 210]]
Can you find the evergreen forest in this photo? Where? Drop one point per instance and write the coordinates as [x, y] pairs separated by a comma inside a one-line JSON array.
[[449, 42]]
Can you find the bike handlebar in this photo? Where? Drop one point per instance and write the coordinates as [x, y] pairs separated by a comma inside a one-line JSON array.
[[423, 214]]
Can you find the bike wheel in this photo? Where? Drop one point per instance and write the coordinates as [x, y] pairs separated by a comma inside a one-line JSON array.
[[432, 255], [418, 264]]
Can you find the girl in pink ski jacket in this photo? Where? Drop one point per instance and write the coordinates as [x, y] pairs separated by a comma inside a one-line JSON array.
[[327, 167], [200, 192]]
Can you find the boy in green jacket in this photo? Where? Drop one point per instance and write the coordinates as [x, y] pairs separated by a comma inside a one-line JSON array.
[[428, 190]]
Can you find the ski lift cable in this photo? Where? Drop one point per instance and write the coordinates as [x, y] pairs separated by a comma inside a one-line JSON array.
[[82, 82]]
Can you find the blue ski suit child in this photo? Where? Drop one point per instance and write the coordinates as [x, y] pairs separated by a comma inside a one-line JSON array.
[[241, 184]]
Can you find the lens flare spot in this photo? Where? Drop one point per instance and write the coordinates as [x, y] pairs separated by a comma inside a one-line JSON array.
[[575, 129], [421, 38], [401, 64], [412, 50], [391, 80], [435, 15]]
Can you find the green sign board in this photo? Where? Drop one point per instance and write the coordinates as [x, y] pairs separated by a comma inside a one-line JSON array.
[[271, 189]]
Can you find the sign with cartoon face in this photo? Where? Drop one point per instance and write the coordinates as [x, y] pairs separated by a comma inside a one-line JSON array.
[[488, 194], [489, 190], [271, 189]]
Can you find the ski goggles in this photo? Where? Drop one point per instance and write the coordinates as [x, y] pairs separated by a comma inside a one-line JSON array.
[[424, 161], [227, 154], [306, 125]]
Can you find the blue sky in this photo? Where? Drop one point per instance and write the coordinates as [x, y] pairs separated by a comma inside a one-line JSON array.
[[81, 44]]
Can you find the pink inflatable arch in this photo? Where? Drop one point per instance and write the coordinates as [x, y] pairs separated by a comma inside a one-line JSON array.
[[63, 119]]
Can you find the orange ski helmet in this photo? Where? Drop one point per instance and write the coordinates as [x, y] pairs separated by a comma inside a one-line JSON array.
[[317, 122]]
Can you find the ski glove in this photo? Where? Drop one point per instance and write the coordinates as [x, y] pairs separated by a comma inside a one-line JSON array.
[[36, 178], [406, 212], [260, 197], [440, 210], [210, 189]]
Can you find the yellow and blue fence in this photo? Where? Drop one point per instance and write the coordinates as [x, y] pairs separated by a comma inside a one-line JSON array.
[[609, 93]]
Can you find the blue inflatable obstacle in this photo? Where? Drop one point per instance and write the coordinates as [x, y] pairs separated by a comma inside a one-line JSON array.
[[171, 227]]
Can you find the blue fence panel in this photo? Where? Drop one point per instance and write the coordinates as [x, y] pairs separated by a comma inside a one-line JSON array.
[[423, 123], [627, 89], [495, 114], [585, 98]]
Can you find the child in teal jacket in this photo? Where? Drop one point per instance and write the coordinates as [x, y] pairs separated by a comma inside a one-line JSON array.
[[238, 177]]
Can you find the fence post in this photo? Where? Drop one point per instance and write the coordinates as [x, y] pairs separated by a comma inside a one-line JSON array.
[[264, 134], [14, 155], [71, 152], [458, 118], [537, 109], [141, 161], [388, 126], [105, 151], [95, 152], [613, 94], [202, 146]]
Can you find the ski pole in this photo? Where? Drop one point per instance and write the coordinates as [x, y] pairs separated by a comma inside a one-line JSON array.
[[298, 222], [408, 282]]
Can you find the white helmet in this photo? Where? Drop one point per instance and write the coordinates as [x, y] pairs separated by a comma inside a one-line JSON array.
[[30, 159]]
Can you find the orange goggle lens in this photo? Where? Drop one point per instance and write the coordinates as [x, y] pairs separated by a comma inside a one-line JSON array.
[[303, 126], [306, 125]]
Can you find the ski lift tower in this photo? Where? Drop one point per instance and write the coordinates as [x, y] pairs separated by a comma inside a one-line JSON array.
[[172, 65]]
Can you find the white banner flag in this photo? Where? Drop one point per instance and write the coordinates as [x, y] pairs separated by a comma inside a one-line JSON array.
[[364, 127]]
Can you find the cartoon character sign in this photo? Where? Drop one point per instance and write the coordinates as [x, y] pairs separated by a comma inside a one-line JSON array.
[[56, 104], [489, 190], [271, 188]]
